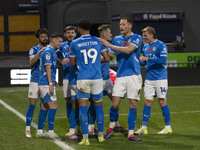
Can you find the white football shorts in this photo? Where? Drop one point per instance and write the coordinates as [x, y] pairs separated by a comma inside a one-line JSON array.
[[107, 86], [66, 88], [73, 89], [44, 94], [33, 90], [157, 88], [85, 88], [128, 84]]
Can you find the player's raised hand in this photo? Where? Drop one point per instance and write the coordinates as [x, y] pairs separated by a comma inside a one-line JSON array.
[[57, 85], [65, 61], [104, 42], [42, 50], [143, 59]]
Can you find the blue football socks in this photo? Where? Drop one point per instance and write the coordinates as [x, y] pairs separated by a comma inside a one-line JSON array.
[[100, 118], [132, 118], [91, 114], [29, 114], [42, 119], [51, 118], [68, 110], [73, 118], [146, 115], [83, 119], [114, 114], [166, 114]]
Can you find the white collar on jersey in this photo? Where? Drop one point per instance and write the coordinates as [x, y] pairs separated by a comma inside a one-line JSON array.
[[129, 36], [154, 41], [85, 35]]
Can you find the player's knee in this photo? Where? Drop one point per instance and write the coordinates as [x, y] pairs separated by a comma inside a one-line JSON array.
[[162, 102], [133, 103], [68, 99], [115, 105], [32, 101], [97, 102], [53, 105], [148, 102]]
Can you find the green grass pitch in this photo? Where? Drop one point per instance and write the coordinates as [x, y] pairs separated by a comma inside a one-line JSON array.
[[184, 104]]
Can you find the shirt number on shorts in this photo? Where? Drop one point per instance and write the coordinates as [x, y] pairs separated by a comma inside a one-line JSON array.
[[163, 90], [91, 53]]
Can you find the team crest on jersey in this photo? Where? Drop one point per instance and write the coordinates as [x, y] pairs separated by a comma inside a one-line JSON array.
[[124, 43], [48, 56], [149, 49], [154, 48]]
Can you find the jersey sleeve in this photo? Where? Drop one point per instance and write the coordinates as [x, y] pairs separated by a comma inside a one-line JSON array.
[[114, 42], [143, 54], [163, 50], [59, 52], [143, 49], [72, 52], [32, 52], [104, 48], [136, 40]]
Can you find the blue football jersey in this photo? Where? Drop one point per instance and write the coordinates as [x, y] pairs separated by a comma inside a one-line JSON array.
[[128, 64], [48, 58], [63, 53], [35, 69], [155, 71], [87, 50]]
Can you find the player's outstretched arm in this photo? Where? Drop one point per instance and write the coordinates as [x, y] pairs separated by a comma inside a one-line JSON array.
[[127, 50], [161, 60], [106, 56], [49, 78], [33, 59]]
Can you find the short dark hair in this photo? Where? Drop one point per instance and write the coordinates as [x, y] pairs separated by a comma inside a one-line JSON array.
[[103, 27], [150, 30], [56, 35], [70, 28], [129, 19], [85, 24], [41, 31]]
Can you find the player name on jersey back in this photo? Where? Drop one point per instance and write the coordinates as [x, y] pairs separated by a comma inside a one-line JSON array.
[[89, 43]]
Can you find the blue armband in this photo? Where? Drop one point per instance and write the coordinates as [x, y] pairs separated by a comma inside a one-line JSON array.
[[161, 60]]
